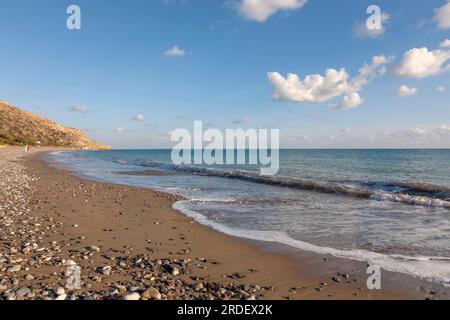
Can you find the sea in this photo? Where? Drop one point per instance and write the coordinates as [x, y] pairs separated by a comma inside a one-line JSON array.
[[389, 208]]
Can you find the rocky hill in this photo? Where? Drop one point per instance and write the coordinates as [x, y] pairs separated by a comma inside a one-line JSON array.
[[19, 127]]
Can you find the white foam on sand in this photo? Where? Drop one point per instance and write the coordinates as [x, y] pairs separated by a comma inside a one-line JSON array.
[[435, 269]]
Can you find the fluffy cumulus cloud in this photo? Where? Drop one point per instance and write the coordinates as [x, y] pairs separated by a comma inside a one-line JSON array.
[[314, 88], [421, 63], [175, 52], [442, 16], [261, 10], [361, 30], [440, 88], [350, 101], [334, 83], [138, 117], [405, 91]]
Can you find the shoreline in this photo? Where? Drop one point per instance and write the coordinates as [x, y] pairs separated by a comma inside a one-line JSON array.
[[119, 219]]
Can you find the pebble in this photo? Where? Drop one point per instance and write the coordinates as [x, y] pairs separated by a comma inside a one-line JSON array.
[[106, 270], [61, 297], [60, 291], [23, 291], [198, 286], [94, 248], [336, 279], [175, 272], [171, 269], [14, 268], [152, 294], [132, 296], [70, 263]]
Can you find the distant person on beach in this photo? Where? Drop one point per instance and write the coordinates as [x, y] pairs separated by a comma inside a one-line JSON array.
[[27, 148]]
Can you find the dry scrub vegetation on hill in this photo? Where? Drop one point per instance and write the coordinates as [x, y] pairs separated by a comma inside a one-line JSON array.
[[19, 127]]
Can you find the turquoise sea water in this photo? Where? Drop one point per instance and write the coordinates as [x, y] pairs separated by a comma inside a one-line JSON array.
[[387, 207]]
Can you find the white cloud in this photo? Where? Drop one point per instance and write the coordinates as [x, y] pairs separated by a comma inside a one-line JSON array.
[[332, 138], [371, 71], [175, 52], [445, 43], [429, 133], [406, 91], [440, 88], [261, 10], [409, 133], [416, 132], [78, 108], [442, 16], [314, 88], [119, 130], [415, 136], [318, 88], [361, 30], [138, 117], [421, 63], [443, 130], [243, 120], [349, 101]]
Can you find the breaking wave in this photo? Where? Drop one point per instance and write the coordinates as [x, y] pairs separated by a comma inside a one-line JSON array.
[[419, 194]]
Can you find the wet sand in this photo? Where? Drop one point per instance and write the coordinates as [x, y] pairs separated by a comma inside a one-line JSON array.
[[120, 221]]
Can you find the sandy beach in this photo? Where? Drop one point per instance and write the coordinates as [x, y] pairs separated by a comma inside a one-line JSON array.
[[131, 244]]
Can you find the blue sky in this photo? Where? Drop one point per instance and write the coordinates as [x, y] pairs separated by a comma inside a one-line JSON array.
[[117, 66]]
